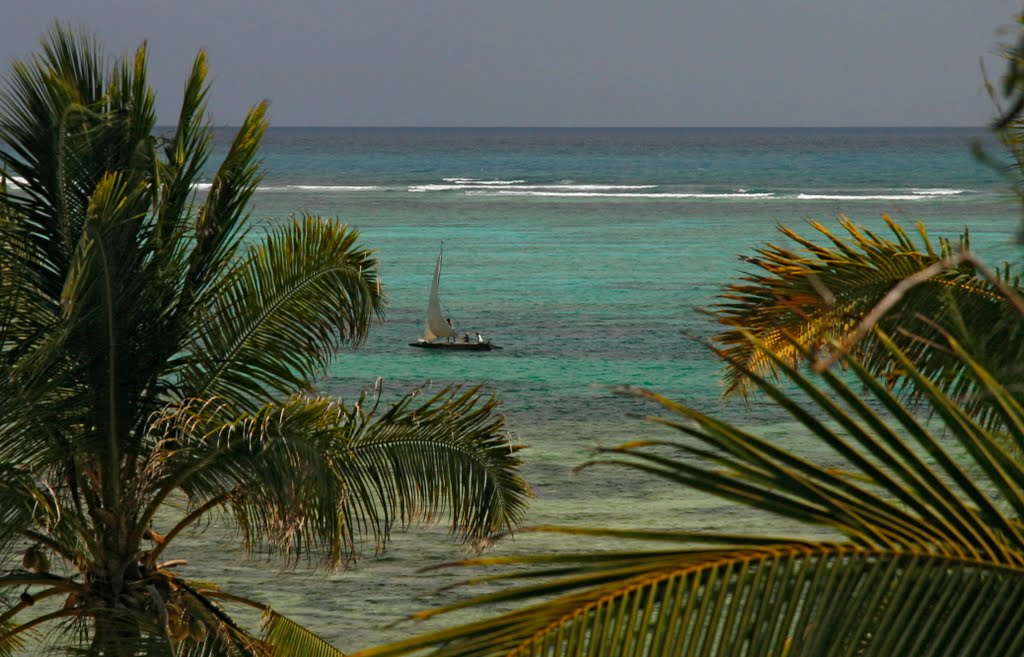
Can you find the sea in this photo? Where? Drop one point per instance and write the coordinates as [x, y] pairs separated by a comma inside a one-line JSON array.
[[589, 256]]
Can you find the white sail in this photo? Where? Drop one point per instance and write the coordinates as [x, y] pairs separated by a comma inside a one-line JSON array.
[[436, 326]]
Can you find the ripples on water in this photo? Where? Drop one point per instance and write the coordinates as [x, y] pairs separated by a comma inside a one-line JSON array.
[[585, 254]]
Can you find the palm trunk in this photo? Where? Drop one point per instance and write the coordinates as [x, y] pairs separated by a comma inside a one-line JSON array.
[[118, 614], [116, 633]]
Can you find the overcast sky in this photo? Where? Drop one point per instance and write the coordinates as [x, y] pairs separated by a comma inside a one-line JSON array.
[[556, 63]]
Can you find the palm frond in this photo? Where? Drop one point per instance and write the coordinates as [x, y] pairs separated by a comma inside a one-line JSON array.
[[922, 537], [26, 310], [447, 455], [312, 476], [275, 321], [804, 302], [219, 222], [824, 599], [18, 499], [186, 151], [66, 123], [13, 642], [198, 625], [287, 637]]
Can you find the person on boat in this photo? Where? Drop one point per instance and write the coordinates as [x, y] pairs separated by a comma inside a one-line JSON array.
[[451, 336], [479, 338], [465, 337]]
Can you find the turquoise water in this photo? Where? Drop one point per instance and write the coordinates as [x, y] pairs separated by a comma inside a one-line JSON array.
[[586, 255]]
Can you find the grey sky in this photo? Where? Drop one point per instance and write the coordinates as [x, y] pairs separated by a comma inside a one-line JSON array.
[[556, 63]]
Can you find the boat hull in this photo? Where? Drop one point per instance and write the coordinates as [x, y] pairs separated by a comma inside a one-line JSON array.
[[454, 346]]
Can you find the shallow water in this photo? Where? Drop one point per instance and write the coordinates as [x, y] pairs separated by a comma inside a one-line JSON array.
[[586, 255]]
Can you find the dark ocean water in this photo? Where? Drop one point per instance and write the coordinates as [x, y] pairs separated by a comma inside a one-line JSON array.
[[586, 254]]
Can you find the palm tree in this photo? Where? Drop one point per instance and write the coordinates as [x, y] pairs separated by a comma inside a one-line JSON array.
[[154, 354]]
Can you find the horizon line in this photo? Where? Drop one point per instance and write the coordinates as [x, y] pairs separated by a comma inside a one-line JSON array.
[[614, 127]]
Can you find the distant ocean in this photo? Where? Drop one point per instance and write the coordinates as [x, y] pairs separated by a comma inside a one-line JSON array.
[[586, 254]]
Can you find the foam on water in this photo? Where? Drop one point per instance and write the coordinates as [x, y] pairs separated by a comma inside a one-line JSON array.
[[570, 189], [474, 181], [437, 188], [318, 188], [581, 293], [670, 195], [940, 192], [583, 187], [922, 195], [860, 197]]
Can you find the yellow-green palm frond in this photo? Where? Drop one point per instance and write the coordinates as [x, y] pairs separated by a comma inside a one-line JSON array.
[[286, 637], [928, 554], [803, 303], [787, 599]]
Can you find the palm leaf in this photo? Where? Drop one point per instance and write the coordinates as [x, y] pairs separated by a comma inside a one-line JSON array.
[[186, 151], [446, 455], [66, 123], [313, 477], [803, 302], [18, 499], [931, 557], [217, 232], [26, 310], [276, 320], [287, 637], [775, 600]]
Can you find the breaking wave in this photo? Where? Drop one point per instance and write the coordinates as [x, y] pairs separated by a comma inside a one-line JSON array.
[[572, 189]]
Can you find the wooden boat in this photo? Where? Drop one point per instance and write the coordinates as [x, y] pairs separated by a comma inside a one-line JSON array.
[[439, 333], [455, 346]]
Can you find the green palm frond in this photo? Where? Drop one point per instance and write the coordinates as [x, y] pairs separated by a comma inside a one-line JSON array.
[[64, 127], [218, 226], [449, 455], [277, 319], [311, 476], [923, 537], [186, 151], [147, 355], [802, 303], [26, 309]]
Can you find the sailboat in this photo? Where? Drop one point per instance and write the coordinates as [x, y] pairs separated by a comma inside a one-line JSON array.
[[439, 332]]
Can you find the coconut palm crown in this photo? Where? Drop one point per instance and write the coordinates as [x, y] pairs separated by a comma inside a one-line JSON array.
[[155, 356]]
